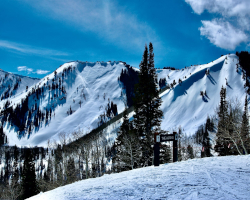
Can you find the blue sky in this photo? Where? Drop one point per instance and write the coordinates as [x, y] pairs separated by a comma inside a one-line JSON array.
[[36, 37]]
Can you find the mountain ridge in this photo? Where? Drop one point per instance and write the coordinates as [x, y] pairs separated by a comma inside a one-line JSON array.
[[78, 95]]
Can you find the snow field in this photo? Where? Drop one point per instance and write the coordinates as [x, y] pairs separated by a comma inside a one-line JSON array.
[[208, 178]]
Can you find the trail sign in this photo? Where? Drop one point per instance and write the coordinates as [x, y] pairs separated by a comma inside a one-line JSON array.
[[164, 138], [169, 137]]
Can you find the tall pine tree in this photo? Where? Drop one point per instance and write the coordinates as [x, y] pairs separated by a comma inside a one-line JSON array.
[[245, 127], [221, 143], [206, 140], [29, 182], [147, 104]]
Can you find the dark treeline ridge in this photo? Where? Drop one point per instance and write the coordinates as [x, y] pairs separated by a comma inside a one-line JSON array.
[[162, 83], [129, 77], [244, 61], [172, 68]]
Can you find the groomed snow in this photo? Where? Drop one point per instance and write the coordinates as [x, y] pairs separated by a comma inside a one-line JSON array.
[[208, 178]]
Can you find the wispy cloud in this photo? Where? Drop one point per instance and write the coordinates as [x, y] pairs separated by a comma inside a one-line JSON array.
[[30, 70], [107, 19], [231, 26], [40, 71], [28, 49], [24, 68]]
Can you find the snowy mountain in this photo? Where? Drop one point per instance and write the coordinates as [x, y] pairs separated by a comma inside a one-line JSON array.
[[74, 97], [184, 106], [208, 178], [13, 84], [83, 95]]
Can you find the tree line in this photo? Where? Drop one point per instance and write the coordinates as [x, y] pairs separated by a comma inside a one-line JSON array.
[[233, 136]]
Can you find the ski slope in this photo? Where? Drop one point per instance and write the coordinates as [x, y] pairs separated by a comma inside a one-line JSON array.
[[208, 178], [184, 106]]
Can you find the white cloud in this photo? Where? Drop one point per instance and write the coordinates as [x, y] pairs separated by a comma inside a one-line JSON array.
[[224, 7], [198, 6], [107, 19], [21, 68], [222, 34], [40, 71], [24, 68], [30, 70], [231, 27], [27, 49]]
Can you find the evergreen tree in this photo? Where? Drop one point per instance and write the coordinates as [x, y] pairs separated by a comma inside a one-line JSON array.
[[124, 130], [29, 184], [7, 167], [125, 125], [71, 171], [103, 166], [221, 142], [165, 154], [206, 140], [180, 135], [2, 136], [245, 126], [44, 182], [49, 174], [127, 148], [180, 150], [147, 104], [190, 152]]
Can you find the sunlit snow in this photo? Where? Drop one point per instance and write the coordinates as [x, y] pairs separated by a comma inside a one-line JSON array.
[[208, 178]]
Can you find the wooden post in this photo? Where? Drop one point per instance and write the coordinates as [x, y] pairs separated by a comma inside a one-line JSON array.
[[175, 147], [157, 150]]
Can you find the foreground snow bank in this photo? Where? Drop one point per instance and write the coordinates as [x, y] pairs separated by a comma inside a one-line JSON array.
[[207, 178]]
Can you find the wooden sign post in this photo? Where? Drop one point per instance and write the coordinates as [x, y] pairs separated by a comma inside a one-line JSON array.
[[157, 150], [164, 138]]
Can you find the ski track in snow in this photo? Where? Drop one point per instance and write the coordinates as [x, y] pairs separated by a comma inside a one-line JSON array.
[[208, 178]]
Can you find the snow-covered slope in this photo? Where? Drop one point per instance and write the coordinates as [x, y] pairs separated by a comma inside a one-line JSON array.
[[208, 178], [77, 95], [88, 88], [184, 106], [13, 84]]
